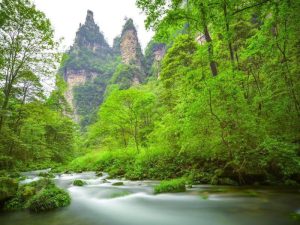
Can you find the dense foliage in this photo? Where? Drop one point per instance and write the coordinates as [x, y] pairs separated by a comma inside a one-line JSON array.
[[225, 108], [33, 128], [49, 199], [79, 182], [221, 107], [175, 185], [37, 196]]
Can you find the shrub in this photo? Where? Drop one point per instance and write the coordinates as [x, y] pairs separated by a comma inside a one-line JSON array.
[[8, 188], [25, 193], [42, 183], [116, 163], [14, 175], [78, 183], [175, 185], [6, 162], [161, 164], [46, 175], [48, 199]]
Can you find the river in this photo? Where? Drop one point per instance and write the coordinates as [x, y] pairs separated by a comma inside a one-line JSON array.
[[101, 203]]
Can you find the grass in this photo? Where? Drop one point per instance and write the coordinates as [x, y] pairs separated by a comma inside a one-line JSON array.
[[116, 163], [170, 186], [145, 164]]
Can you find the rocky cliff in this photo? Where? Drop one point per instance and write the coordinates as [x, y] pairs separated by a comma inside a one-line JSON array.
[[92, 65], [132, 72], [129, 46], [87, 60], [153, 57]]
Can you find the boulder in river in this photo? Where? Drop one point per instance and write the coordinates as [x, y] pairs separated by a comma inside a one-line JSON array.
[[79, 183], [118, 183]]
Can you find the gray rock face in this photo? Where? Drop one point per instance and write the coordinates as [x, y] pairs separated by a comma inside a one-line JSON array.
[[91, 64], [87, 58]]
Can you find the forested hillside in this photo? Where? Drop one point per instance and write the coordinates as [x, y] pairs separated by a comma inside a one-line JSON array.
[[209, 108], [214, 98], [221, 107]]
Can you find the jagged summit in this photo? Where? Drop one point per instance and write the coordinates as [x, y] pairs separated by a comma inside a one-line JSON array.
[[89, 17], [89, 35], [87, 60], [129, 25], [92, 65], [130, 47]]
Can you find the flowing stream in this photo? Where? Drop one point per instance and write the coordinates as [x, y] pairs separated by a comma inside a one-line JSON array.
[[101, 203]]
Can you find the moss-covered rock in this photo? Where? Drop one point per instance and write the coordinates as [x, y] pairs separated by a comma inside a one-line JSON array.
[[175, 185], [42, 183], [46, 174], [99, 174], [118, 183], [25, 193], [79, 183], [48, 199], [41, 194]]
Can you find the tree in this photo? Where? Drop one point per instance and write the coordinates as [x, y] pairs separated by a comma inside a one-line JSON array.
[[33, 128], [26, 40], [126, 116], [194, 14]]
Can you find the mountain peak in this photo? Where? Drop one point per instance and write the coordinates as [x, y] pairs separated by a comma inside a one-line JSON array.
[[89, 18], [89, 36], [129, 25]]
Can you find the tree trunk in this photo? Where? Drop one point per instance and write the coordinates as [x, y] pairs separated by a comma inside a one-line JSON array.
[[212, 63], [231, 51]]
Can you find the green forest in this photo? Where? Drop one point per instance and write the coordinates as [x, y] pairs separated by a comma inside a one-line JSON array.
[[222, 106]]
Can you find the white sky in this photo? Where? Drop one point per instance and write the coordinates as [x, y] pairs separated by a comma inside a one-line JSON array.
[[65, 16]]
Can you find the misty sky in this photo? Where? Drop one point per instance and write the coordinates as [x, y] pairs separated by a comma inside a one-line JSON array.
[[65, 16]]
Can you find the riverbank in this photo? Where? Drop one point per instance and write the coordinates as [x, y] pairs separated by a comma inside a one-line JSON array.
[[164, 165]]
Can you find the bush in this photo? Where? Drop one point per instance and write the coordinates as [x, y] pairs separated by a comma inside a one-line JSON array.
[[6, 162], [42, 183], [8, 188], [26, 193], [175, 185], [116, 163], [78, 183], [48, 199], [161, 164], [147, 164], [46, 175]]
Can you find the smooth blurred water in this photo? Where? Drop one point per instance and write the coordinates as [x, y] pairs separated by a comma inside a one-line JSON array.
[[101, 203]]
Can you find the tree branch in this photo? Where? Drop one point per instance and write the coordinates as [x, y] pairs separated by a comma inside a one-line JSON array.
[[251, 6]]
